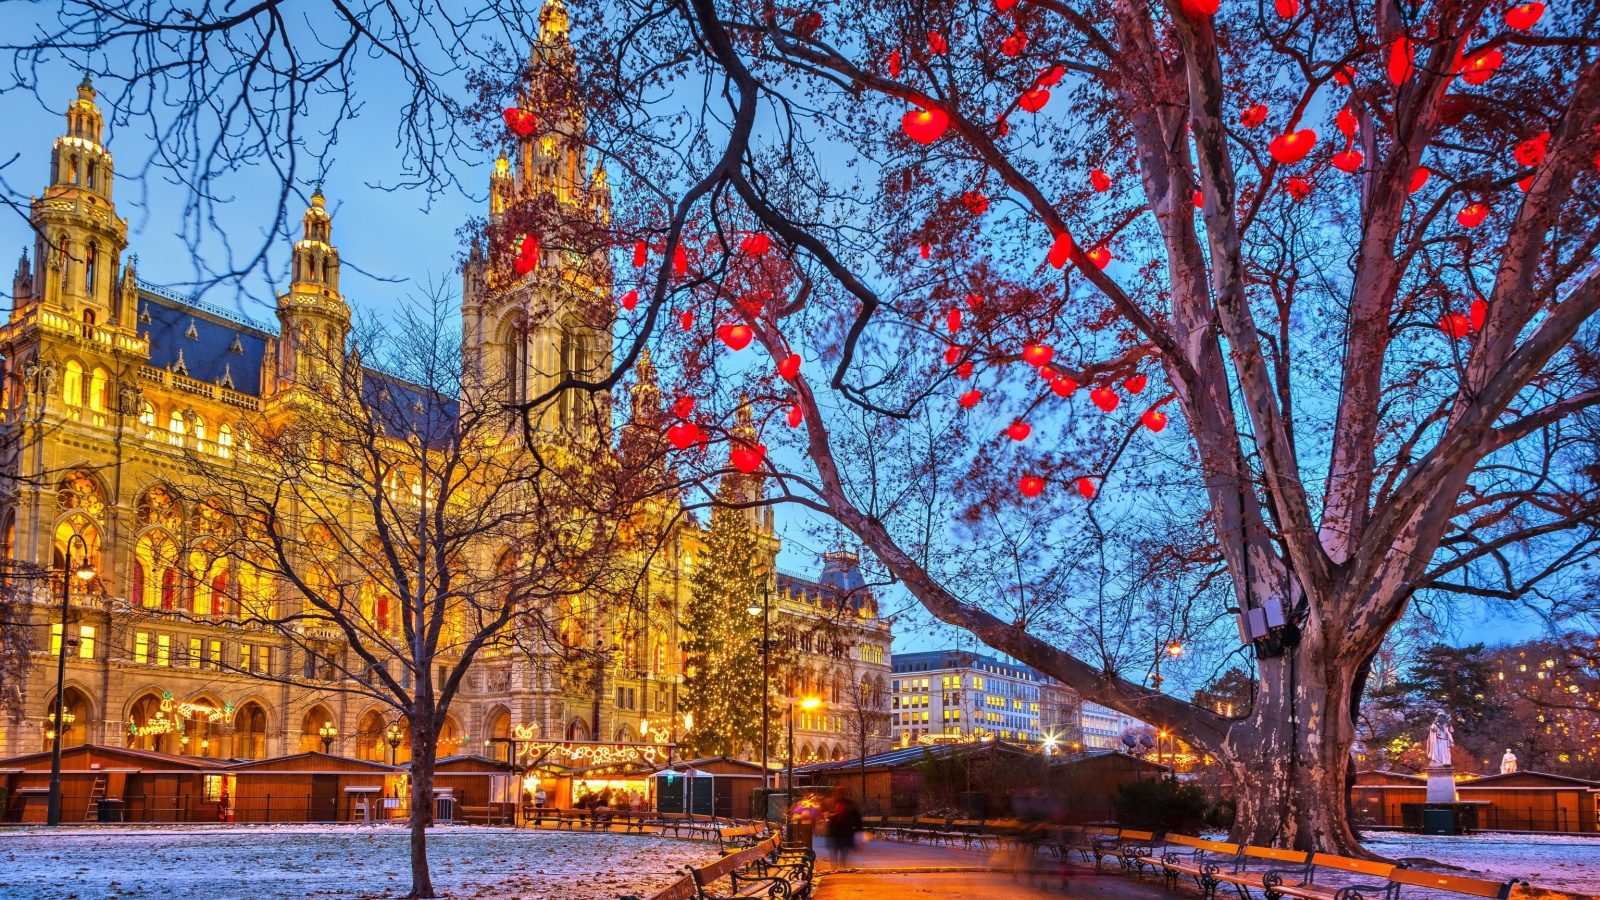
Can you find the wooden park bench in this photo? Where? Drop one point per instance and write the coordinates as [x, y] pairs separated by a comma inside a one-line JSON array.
[[736, 837], [1083, 841], [1198, 859], [751, 872], [1133, 849]]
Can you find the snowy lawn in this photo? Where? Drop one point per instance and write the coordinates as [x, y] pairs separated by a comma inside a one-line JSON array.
[[1564, 863], [280, 863]]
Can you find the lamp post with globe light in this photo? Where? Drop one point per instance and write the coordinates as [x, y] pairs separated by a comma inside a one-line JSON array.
[[764, 610], [393, 737], [327, 732], [807, 703], [84, 572]]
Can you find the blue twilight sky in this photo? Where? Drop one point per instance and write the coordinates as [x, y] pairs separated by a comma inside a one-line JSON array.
[[391, 242]]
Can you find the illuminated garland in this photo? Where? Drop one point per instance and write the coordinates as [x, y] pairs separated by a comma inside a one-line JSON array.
[[596, 753]]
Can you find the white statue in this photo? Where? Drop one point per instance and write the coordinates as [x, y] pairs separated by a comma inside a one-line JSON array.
[[1508, 763], [1440, 740]]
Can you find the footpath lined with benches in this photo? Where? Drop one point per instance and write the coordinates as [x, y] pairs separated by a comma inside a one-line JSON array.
[[764, 868]]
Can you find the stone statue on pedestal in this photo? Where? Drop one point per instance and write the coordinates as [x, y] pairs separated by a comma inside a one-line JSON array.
[[1441, 774], [1508, 763]]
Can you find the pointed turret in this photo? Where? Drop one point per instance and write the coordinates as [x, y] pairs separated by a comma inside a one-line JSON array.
[[314, 315]]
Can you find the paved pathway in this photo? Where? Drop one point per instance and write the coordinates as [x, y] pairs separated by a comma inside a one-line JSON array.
[[890, 870]]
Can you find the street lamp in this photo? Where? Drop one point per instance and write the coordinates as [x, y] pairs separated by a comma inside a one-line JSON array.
[[807, 703], [327, 732], [84, 571], [763, 609], [393, 736]]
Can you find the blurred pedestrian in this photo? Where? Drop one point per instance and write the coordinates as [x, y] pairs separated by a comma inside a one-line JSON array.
[[843, 823]]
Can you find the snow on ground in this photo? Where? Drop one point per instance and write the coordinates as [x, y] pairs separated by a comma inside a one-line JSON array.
[[1564, 863], [294, 862]]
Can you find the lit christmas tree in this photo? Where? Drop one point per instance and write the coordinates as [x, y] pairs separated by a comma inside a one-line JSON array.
[[723, 683]]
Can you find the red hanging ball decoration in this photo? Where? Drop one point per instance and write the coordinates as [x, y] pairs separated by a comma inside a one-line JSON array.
[[925, 250], [1047, 373], [1455, 325], [1472, 215], [1298, 188], [524, 264], [1099, 180], [952, 354], [1034, 100], [971, 398], [736, 336], [683, 407], [1086, 488], [977, 203], [630, 300], [1287, 9], [1019, 431], [1418, 179], [1136, 384], [937, 45], [1478, 314], [1105, 398], [974, 301], [1254, 116], [1004, 5], [756, 244], [1347, 161], [1480, 67], [1401, 60], [686, 321], [747, 459], [1050, 77], [1199, 199], [684, 435], [521, 122], [641, 254], [680, 260], [1346, 122], [894, 64], [1525, 16], [1063, 386], [1060, 250], [1199, 9], [789, 366], [964, 370], [1038, 354], [1291, 147], [1014, 45], [1154, 419], [1531, 151], [1101, 257], [953, 321], [1031, 485], [924, 125], [796, 416]]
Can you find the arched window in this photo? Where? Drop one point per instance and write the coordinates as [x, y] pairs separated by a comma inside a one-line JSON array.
[[199, 429], [312, 722], [85, 551], [224, 441], [250, 732], [175, 427], [154, 580], [147, 419], [91, 256], [88, 323], [72, 170], [98, 381], [515, 342], [157, 506], [256, 590], [72, 384]]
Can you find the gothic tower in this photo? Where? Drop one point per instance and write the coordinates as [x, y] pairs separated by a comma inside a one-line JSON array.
[[79, 238], [531, 326], [315, 317]]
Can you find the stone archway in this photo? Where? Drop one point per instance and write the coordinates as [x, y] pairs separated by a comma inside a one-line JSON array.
[[250, 732], [76, 711], [311, 723]]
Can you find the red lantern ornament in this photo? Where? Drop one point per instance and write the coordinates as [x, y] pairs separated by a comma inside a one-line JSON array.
[[1477, 314], [1419, 178], [807, 24], [1015, 44], [1154, 419], [953, 321], [756, 244], [1105, 398], [1525, 183], [1060, 250], [641, 254], [1525, 16], [796, 416], [683, 407], [747, 459], [630, 300], [1345, 76], [1472, 215], [1297, 188], [520, 121], [1086, 488], [1291, 147], [680, 260], [686, 321], [1199, 199], [1101, 257], [925, 250], [964, 370], [952, 354], [1136, 384], [1531, 151], [1348, 161], [1034, 100], [1019, 431], [1288, 9], [974, 301], [1199, 9], [977, 203], [937, 45], [1254, 116], [971, 398], [1004, 5], [1099, 180], [894, 64], [684, 435], [1037, 355], [1455, 325], [1050, 77], [1031, 485], [1401, 60], [1047, 373], [1346, 122], [924, 125], [736, 336], [1480, 67], [789, 366], [1063, 386]]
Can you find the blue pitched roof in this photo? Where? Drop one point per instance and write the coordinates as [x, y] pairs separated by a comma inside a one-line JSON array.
[[210, 345]]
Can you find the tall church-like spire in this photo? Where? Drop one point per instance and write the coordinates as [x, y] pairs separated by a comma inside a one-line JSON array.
[[314, 315]]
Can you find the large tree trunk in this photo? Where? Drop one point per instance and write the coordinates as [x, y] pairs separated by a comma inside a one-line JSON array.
[[424, 749], [1290, 758]]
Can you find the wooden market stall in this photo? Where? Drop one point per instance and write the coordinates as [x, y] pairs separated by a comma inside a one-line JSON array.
[[1515, 801], [117, 783], [716, 786], [316, 787]]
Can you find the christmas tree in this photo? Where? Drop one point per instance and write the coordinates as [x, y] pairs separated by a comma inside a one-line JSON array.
[[723, 684]]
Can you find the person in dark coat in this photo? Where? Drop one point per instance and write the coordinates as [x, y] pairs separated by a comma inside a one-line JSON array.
[[843, 823]]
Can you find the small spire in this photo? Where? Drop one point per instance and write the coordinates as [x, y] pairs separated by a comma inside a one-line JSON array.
[[316, 195], [86, 87]]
